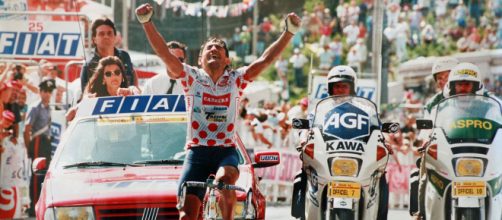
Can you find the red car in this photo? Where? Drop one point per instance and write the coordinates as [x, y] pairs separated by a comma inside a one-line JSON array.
[[119, 160]]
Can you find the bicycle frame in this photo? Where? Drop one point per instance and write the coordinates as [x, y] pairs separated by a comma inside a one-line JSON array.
[[209, 206]]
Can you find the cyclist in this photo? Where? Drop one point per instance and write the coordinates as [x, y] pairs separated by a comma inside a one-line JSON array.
[[440, 72], [212, 98]]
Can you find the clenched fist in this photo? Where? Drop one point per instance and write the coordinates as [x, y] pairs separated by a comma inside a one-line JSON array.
[[292, 23], [144, 13]]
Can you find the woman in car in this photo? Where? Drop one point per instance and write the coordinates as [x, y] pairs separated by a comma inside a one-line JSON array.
[[109, 80]]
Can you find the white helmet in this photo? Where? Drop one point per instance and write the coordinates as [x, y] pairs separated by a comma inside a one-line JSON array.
[[443, 64], [464, 72], [342, 73]]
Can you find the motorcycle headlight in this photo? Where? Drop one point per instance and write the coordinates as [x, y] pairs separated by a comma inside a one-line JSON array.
[[344, 167], [469, 167], [70, 213]]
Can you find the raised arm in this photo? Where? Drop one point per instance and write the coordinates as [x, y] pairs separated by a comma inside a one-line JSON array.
[[144, 13], [274, 50]]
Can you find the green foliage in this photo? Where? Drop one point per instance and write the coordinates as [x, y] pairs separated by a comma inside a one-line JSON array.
[[434, 49], [310, 4]]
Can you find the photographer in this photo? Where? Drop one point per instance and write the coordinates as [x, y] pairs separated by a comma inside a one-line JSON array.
[[18, 72], [12, 106]]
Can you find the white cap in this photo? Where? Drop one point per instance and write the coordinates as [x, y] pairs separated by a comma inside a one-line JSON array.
[[444, 64]]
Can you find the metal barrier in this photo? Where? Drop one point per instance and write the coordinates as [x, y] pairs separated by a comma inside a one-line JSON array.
[[277, 181], [66, 75]]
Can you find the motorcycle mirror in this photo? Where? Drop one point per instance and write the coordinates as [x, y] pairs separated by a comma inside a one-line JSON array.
[[300, 123], [390, 127], [424, 124]]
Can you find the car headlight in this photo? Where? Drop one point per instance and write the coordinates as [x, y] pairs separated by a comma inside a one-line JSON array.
[[239, 211], [344, 167], [69, 213], [469, 167], [250, 210], [49, 214]]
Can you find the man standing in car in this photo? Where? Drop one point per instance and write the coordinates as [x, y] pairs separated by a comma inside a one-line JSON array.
[[212, 98], [103, 39]]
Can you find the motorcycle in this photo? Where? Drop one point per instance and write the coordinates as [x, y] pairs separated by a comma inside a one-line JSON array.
[[344, 159], [462, 159]]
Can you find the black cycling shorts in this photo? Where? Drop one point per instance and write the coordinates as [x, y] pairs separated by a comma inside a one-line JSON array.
[[202, 161]]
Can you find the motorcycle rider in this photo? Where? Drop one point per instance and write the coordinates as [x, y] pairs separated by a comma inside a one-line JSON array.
[[440, 72], [463, 79], [342, 81]]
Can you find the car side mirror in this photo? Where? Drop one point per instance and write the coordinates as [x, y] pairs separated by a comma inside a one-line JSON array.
[[424, 124], [266, 159], [39, 166], [300, 123], [390, 127]]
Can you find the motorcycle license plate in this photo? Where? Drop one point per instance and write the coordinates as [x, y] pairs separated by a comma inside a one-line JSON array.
[[469, 189], [344, 190]]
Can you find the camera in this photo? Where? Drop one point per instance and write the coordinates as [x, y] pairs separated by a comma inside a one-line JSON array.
[[18, 75]]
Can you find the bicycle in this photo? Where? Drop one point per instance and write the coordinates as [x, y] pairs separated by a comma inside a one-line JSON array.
[[209, 204]]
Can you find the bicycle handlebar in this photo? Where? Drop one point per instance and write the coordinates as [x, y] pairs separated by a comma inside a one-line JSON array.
[[219, 185]]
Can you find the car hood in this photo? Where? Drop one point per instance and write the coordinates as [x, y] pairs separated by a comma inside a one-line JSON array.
[[111, 185]]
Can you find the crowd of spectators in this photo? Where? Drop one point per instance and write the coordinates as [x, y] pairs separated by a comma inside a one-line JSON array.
[[269, 125], [340, 35], [343, 34]]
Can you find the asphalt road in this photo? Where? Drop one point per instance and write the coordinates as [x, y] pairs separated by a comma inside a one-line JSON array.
[[283, 213]]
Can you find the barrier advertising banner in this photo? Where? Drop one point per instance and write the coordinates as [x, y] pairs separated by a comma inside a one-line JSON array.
[[41, 39]]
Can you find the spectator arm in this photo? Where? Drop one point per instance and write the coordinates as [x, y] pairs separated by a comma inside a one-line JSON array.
[[27, 134]]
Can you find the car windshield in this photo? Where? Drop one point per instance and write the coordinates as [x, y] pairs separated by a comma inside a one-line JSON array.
[[469, 119], [346, 117], [126, 140]]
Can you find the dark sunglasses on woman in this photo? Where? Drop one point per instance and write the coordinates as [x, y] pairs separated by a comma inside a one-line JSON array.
[[116, 72]]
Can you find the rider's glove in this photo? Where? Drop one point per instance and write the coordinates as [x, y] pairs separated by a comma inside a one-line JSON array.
[[145, 18], [289, 26]]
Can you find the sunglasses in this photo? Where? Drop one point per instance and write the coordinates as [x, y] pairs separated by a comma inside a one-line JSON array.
[[116, 72]]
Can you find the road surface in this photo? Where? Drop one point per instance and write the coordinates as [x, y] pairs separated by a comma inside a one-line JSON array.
[[283, 213]]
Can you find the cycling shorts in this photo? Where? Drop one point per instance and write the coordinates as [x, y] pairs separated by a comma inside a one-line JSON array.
[[202, 161]]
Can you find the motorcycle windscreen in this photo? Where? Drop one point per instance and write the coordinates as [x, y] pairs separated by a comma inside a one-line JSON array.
[[469, 119], [346, 118]]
